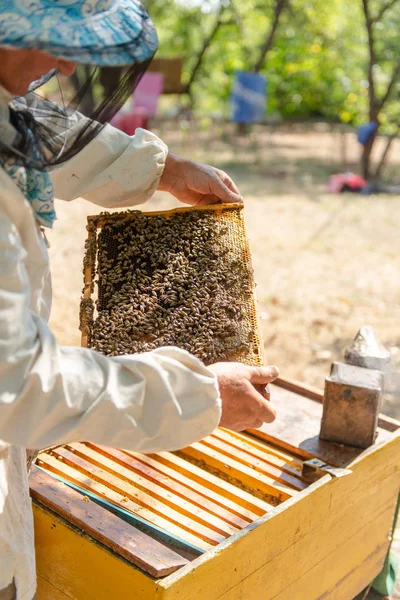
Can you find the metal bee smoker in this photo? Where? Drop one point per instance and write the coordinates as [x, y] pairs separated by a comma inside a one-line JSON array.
[[353, 392]]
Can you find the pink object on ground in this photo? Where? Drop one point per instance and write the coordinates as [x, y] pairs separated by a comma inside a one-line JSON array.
[[351, 181]]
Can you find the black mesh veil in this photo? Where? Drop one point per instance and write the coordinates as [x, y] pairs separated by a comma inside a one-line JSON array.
[[60, 116]]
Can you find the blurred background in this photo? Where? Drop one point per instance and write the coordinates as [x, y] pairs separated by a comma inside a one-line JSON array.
[[299, 101]]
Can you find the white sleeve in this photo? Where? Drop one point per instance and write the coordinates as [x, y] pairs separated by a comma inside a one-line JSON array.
[[114, 170], [49, 394]]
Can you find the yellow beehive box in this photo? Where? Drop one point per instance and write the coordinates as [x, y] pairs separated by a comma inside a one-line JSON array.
[[290, 539]]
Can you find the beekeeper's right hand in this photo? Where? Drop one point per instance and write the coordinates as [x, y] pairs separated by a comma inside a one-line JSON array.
[[242, 405]]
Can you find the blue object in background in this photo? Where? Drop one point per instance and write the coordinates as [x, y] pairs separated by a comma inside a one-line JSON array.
[[249, 97], [365, 132]]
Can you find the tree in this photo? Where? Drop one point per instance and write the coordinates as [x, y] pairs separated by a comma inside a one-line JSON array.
[[207, 41], [379, 51], [310, 51], [280, 5], [248, 35]]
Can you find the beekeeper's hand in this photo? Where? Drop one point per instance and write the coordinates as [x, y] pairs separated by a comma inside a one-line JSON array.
[[242, 405], [197, 184]]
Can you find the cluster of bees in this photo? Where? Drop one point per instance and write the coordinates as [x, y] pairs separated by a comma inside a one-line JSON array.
[[176, 281]]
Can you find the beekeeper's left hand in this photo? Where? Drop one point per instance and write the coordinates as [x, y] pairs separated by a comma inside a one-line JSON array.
[[197, 184]]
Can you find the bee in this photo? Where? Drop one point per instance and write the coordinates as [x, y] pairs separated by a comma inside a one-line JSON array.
[[179, 281]]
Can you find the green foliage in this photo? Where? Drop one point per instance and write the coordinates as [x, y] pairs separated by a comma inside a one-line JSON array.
[[317, 66]]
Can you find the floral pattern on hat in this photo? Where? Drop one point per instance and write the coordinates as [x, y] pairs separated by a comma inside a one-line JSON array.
[[97, 32]]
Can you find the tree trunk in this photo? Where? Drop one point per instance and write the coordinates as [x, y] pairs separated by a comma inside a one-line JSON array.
[[280, 5], [375, 104], [242, 128], [366, 157], [206, 43]]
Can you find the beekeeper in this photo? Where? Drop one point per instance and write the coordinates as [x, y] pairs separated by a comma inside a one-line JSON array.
[[49, 394]]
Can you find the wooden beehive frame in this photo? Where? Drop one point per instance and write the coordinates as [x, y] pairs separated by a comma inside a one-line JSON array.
[[201, 495], [234, 218]]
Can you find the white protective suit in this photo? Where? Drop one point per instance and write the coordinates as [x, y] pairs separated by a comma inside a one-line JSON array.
[[49, 394]]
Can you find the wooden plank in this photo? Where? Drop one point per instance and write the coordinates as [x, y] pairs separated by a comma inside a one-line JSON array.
[[233, 493], [88, 277], [53, 465], [171, 68], [157, 486], [135, 546], [320, 580], [289, 462], [326, 573], [255, 462], [297, 429], [208, 490], [358, 579], [78, 568], [144, 501], [102, 219], [47, 591], [184, 487], [141, 493], [388, 423], [299, 534], [313, 393], [252, 480], [297, 387]]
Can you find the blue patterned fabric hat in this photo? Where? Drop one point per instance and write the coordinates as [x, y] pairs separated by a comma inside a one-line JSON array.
[[94, 32]]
